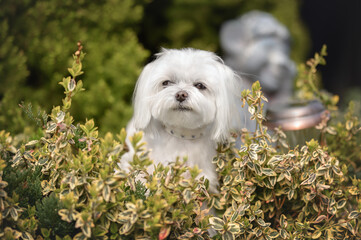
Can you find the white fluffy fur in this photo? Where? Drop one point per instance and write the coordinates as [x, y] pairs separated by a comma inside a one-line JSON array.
[[213, 110]]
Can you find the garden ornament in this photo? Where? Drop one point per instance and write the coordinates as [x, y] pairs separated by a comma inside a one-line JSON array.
[[257, 46]]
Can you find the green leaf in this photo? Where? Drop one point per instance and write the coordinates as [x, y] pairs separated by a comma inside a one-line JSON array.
[[329, 234], [228, 236], [227, 180], [273, 234], [258, 168], [273, 181], [353, 215], [256, 86], [261, 222], [86, 228], [79, 87], [111, 217], [51, 127], [130, 206], [341, 203], [184, 183], [275, 159], [14, 213], [337, 170], [288, 175], [349, 227], [31, 143], [251, 110], [250, 165], [234, 216], [316, 235], [290, 194], [284, 234], [233, 228], [125, 228], [26, 236], [71, 71], [311, 178], [187, 195], [43, 160], [71, 85], [106, 192], [258, 232], [145, 214], [255, 147], [65, 215], [45, 232], [60, 116], [268, 172], [80, 236], [320, 219], [283, 221], [349, 125], [133, 218], [216, 223]]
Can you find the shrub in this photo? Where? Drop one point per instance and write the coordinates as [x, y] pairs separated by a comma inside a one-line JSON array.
[[36, 38], [49, 220], [266, 192], [25, 183]]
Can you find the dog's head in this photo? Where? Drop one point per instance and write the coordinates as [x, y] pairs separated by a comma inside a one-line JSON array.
[[189, 89]]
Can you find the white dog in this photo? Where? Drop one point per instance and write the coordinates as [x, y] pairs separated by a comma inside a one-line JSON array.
[[186, 101]]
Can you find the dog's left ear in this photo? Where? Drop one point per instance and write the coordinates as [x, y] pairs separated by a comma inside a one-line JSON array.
[[228, 103], [142, 109]]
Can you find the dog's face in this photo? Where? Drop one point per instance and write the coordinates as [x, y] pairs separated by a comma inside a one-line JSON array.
[[188, 89], [185, 94]]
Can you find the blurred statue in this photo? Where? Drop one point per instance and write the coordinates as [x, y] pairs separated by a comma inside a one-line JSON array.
[[257, 46]]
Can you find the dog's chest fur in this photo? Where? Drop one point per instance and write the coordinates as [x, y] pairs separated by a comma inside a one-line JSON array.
[[199, 152]]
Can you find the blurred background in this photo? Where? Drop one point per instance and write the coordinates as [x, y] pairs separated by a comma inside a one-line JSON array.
[[37, 38]]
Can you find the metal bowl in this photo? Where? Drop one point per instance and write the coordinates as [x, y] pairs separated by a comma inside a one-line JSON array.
[[297, 119], [294, 115]]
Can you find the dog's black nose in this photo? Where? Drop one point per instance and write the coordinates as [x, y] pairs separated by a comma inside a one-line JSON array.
[[181, 96]]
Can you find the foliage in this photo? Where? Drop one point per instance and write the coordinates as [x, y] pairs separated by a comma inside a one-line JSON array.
[[36, 38], [347, 136], [26, 183], [342, 133], [266, 192], [308, 83], [50, 221], [12, 226], [301, 194], [13, 71]]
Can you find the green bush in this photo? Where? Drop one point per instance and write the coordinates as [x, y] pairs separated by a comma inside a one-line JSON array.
[[26, 183], [49, 220], [266, 192], [13, 72], [34, 35]]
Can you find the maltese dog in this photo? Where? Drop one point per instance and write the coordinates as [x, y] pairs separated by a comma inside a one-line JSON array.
[[185, 101]]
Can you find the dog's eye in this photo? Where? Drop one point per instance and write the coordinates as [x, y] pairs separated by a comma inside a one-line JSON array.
[[166, 83], [200, 86]]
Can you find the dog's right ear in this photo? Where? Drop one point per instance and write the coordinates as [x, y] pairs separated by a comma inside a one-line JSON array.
[[141, 98]]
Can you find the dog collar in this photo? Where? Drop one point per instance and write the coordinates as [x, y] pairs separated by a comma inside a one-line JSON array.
[[187, 134]]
